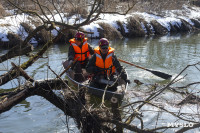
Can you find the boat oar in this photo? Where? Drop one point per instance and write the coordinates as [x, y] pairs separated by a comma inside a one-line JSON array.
[[157, 73], [68, 67]]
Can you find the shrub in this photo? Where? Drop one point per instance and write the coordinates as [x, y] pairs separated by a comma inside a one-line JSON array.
[[27, 27], [72, 11], [109, 32], [66, 34], [2, 11], [135, 28], [158, 5], [14, 40], [159, 29]]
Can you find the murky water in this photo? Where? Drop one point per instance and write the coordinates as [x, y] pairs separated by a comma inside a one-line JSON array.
[[168, 54]]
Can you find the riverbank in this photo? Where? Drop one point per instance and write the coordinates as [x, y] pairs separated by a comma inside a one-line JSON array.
[[111, 26]]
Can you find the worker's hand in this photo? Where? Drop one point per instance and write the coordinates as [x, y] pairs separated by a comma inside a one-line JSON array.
[[70, 62]]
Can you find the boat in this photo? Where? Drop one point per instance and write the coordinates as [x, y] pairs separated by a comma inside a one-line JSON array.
[[98, 92]]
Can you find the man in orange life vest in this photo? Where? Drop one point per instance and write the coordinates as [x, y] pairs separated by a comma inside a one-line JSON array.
[[104, 64], [79, 48]]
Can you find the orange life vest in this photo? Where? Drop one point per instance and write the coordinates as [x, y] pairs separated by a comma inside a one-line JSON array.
[[83, 52], [107, 65]]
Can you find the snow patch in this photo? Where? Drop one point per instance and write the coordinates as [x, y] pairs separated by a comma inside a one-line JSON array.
[[171, 18]]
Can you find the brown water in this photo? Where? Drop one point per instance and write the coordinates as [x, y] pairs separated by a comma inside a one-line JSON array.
[[168, 54]]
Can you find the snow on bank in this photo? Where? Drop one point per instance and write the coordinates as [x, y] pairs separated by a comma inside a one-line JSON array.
[[171, 18], [12, 25]]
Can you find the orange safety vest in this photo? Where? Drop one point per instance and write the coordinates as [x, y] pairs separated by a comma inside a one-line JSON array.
[[83, 52], [107, 65]]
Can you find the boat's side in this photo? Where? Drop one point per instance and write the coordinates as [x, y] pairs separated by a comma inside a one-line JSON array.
[[119, 94], [108, 95]]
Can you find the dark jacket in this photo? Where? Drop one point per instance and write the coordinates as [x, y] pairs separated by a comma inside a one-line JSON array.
[[91, 67]]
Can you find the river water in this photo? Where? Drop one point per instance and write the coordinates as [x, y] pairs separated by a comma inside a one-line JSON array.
[[168, 54]]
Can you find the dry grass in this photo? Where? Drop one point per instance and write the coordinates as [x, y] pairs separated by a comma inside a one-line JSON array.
[[2, 11], [195, 2], [146, 5], [4, 25], [66, 35], [109, 32], [42, 36], [49, 7], [158, 5], [27, 27], [83, 12], [76, 6], [135, 28], [159, 29], [121, 28], [35, 21], [14, 40]]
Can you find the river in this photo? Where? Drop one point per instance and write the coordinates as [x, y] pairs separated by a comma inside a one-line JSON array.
[[168, 54]]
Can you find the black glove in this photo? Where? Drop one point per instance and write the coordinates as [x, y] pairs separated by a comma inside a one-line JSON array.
[[127, 81]]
